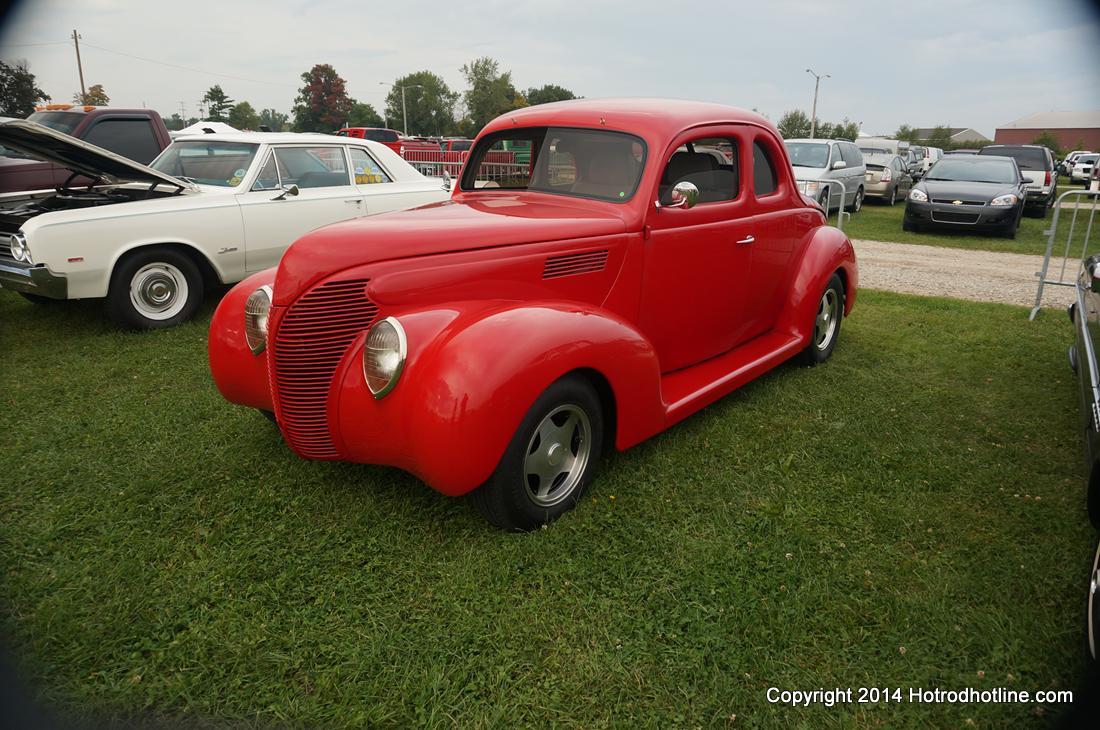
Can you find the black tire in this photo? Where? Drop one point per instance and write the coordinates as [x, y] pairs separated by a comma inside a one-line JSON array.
[[37, 298], [911, 227], [857, 201], [160, 269], [509, 499], [832, 296], [1037, 211], [269, 415]]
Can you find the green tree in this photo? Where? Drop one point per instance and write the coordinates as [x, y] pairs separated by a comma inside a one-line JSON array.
[[940, 137], [429, 100], [174, 121], [364, 115], [95, 96], [243, 116], [1047, 139], [846, 129], [322, 104], [18, 92], [218, 104], [273, 120], [794, 124], [548, 93], [906, 133], [490, 92]]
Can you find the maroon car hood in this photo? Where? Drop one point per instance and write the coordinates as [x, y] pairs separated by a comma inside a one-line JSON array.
[[443, 227]]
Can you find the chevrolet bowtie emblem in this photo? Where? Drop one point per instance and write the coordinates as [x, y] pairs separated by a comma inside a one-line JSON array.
[[956, 202]]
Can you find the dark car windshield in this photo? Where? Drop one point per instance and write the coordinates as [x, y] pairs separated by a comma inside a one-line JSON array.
[[380, 135], [586, 163], [1028, 158], [61, 121], [808, 154], [210, 163], [973, 169]]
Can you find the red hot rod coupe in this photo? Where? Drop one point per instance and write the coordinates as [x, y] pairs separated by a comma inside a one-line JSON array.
[[650, 257]]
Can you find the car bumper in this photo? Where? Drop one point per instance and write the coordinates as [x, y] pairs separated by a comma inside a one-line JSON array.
[[877, 189], [959, 216], [36, 279]]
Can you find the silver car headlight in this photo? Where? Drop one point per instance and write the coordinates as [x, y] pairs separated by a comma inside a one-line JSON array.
[[256, 309], [917, 195], [17, 243], [1004, 201], [384, 356]]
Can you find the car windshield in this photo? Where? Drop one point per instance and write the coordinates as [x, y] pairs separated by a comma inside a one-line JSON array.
[[973, 169], [380, 135], [61, 121], [808, 154], [586, 163], [1028, 158], [209, 163]]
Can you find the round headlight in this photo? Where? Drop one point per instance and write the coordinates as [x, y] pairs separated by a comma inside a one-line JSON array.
[[256, 309], [918, 195], [384, 356], [17, 242]]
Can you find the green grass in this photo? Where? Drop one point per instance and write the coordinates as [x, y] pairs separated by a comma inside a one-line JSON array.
[[880, 222], [908, 515]]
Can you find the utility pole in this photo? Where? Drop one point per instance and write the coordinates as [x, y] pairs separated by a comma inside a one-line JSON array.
[[404, 110], [813, 114], [79, 66], [183, 111]]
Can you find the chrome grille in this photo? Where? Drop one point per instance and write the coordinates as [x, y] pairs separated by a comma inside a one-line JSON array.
[[308, 345]]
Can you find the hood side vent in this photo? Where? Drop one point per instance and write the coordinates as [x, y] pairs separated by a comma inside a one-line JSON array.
[[574, 263]]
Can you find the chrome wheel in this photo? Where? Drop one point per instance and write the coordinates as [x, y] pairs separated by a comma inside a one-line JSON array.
[[828, 313], [857, 204], [557, 455], [1094, 587], [158, 291]]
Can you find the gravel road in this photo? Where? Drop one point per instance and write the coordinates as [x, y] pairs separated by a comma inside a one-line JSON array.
[[982, 276]]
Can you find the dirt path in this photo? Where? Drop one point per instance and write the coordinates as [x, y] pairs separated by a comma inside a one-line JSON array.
[[982, 276]]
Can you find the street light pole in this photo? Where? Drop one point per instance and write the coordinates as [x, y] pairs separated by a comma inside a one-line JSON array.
[[404, 109], [813, 113]]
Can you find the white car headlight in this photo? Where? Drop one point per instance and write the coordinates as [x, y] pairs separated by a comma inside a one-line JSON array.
[[256, 309], [918, 196], [384, 356], [17, 242], [1004, 201]]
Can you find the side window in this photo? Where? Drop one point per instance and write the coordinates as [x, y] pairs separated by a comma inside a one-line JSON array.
[[367, 171], [851, 154], [131, 138], [268, 179], [710, 164], [313, 167], [764, 179]]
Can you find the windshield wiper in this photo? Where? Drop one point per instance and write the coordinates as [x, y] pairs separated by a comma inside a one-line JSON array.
[[944, 179]]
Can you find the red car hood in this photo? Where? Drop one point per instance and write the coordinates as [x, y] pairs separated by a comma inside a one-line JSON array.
[[445, 227]]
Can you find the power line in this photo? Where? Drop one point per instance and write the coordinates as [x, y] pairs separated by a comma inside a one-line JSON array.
[[185, 68]]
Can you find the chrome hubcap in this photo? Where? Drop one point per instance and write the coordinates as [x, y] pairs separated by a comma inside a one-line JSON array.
[[158, 291], [557, 455], [827, 314]]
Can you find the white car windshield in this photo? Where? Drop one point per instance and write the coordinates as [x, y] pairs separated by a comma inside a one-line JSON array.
[[224, 164], [808, 154]]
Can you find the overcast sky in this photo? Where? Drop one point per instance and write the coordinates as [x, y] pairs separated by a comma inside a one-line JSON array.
[[958, 62]]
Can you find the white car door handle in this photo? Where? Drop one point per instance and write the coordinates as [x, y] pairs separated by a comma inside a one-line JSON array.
[[747, 239], [355, 201]]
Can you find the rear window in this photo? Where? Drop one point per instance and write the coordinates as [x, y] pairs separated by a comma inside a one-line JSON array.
[[1028, 158], [380, 135], [61, 121]]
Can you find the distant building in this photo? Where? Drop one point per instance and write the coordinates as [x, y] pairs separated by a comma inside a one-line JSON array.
[[959, 135], [1073, 130]]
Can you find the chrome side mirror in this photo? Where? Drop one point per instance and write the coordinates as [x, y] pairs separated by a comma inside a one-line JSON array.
[[447, 181], [684, 195], [1092, 266], [291, 190], [839, 165]]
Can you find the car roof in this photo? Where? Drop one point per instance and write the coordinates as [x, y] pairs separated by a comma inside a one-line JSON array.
[[818, 140], [272, 138], [653, 116]]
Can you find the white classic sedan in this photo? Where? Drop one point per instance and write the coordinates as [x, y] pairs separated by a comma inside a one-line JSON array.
[[211, 208]]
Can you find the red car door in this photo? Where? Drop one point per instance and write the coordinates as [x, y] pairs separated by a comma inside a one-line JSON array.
[[699, 259]]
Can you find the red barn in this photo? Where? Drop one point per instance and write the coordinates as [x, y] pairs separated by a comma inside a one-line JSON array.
[[1073, 130]]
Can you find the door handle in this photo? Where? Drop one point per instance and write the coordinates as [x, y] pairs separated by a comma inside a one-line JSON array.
[[747, 239], [354, 201]]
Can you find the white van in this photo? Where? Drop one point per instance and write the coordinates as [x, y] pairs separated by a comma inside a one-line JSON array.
[[883, 146]]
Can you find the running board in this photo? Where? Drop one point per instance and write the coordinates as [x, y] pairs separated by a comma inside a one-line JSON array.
[[686, 391]]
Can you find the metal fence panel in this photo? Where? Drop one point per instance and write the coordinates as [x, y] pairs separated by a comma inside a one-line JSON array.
[[1075, 251]]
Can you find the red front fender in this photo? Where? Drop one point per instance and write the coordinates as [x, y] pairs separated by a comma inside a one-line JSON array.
[[828, 251], [472, 374], [241, 377]]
